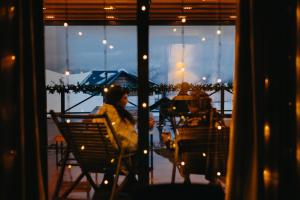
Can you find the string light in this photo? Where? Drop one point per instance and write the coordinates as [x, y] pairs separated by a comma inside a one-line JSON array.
[[68, 121], [143, 8], [219, 32], [204, 154], [104, 41], [111, 46], [183, 20], [106, 182], [82, 147], [105, 90], [174, 29], [144, 105], [69, 166], [219, 80], [218, 173], [145, 57], [219, 127], [80, 33], [182, 163], [203, 39], [67, 72], [112, 160], [145, 151], [65, 24], [113, 123]]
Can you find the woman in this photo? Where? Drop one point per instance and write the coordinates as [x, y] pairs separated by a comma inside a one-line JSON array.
[[124, 124], [122, 120]]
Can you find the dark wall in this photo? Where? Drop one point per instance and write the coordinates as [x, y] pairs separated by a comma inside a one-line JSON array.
[[23, 163]]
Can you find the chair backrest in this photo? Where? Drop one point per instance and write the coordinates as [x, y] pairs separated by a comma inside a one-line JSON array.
[[93, 142], [202, 149]]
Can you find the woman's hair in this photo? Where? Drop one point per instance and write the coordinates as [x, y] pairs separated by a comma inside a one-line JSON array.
[[201, 100], [113, 97]]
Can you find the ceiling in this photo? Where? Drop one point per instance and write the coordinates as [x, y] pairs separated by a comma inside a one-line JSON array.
[[122, 12]]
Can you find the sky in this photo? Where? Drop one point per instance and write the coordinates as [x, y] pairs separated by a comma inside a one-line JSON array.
[[203, 52]]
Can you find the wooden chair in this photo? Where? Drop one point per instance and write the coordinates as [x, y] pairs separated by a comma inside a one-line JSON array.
[[201, 150], [94, 145]]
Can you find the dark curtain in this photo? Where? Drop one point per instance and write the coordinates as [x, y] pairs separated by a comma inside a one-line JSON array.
[[23, 163], [262, 156]]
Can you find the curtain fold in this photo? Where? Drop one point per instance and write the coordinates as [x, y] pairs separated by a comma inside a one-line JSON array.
[[262, 158]]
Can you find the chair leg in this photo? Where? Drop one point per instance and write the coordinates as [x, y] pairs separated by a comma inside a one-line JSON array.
[[73, 186], [173, 173], [61, 175], [112, 196]]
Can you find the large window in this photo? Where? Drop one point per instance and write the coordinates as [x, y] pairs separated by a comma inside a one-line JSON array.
[[208, 56]]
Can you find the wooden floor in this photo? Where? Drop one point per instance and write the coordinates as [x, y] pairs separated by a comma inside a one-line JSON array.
[[162, 168]]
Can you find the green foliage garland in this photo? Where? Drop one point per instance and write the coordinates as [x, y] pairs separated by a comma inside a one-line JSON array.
[[157, 89]]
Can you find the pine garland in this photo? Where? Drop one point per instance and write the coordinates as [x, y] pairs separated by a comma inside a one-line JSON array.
[[157, 89]]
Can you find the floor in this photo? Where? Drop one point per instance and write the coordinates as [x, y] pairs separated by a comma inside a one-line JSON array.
[[162, 168]]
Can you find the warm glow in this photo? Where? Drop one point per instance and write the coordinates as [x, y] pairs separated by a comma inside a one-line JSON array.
[[106, 182], [182, 163], [232, 17], [112, 160], [187, 8], [174, 29], [219, 127], [267, 132], [105, 90], [267, 83], [50, 17], [44, 8], [145, 57], [12, 9], [144, 105], [174, 108], [180, 65], [110, 17], [182, 69], [113, 123], [267, 177], [219, 32], [145, 151], [65, 24], [183, 20], [13, 58], [69, 166], [143, 8], [218, 173], [68, 121], [82, 147], [109, 8]]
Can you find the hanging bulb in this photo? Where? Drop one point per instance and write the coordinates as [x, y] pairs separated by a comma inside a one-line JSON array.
[[219, 80], [219, 32], [111, 46], [67, 72], [183, 20], [104, 41], [65, 24]]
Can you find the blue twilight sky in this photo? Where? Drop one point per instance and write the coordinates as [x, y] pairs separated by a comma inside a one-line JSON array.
[[204, 53]]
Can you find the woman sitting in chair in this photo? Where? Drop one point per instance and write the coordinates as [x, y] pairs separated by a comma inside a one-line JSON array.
[[123, 122]]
